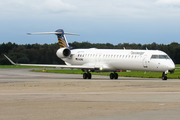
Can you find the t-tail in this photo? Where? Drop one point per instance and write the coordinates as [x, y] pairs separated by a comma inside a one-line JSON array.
[[61, 37]]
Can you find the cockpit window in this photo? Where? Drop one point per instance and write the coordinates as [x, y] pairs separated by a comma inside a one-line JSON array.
[[160, 57], [163, 57], [155, 57]]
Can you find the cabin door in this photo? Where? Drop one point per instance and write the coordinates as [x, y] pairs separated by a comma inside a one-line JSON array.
[[145, 62], [98, 59]]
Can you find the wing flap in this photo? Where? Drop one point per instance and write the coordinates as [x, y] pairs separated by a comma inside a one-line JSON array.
[[59, 66]]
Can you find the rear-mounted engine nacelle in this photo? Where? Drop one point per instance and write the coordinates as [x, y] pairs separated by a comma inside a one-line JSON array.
[[63, 52]]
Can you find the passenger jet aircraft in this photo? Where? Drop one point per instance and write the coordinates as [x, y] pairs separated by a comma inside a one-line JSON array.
[[108, 60]]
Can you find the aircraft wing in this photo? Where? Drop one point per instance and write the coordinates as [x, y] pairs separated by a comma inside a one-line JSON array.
[[57, 66]]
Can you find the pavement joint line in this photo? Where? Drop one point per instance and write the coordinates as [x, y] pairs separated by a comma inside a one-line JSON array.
[[92, 93]]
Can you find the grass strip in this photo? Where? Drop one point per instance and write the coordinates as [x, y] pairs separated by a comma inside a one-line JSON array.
[[175, 75], [141, 74]]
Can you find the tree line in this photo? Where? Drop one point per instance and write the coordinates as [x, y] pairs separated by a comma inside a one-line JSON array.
[[46, 53]]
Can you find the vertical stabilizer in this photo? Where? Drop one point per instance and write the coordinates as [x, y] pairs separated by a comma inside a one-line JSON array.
[[62, 39]]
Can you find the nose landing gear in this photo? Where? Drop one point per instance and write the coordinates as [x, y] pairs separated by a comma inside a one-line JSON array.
[[164, 77]]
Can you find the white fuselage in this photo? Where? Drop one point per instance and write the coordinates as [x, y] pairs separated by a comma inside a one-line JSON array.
[[113, 60]]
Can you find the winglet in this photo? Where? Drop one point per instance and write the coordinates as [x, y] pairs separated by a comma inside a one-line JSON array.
[[9, 60]]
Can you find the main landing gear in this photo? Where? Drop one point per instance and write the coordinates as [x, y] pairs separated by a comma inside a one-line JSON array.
[[114, 75], [87, 75], [164, 77]]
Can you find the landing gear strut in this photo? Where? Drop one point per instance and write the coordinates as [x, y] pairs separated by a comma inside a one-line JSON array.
[[114, 75], [87, 75], [164, 77]]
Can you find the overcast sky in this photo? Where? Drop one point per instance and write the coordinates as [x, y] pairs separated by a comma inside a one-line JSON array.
[[97, 21]]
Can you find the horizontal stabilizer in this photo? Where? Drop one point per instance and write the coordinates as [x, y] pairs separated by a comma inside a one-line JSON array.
[[56, 33]]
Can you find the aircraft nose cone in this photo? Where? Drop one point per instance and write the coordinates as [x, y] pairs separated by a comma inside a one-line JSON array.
[[171, 66]]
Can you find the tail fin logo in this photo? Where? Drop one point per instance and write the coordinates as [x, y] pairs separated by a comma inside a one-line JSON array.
[[62, 42]]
